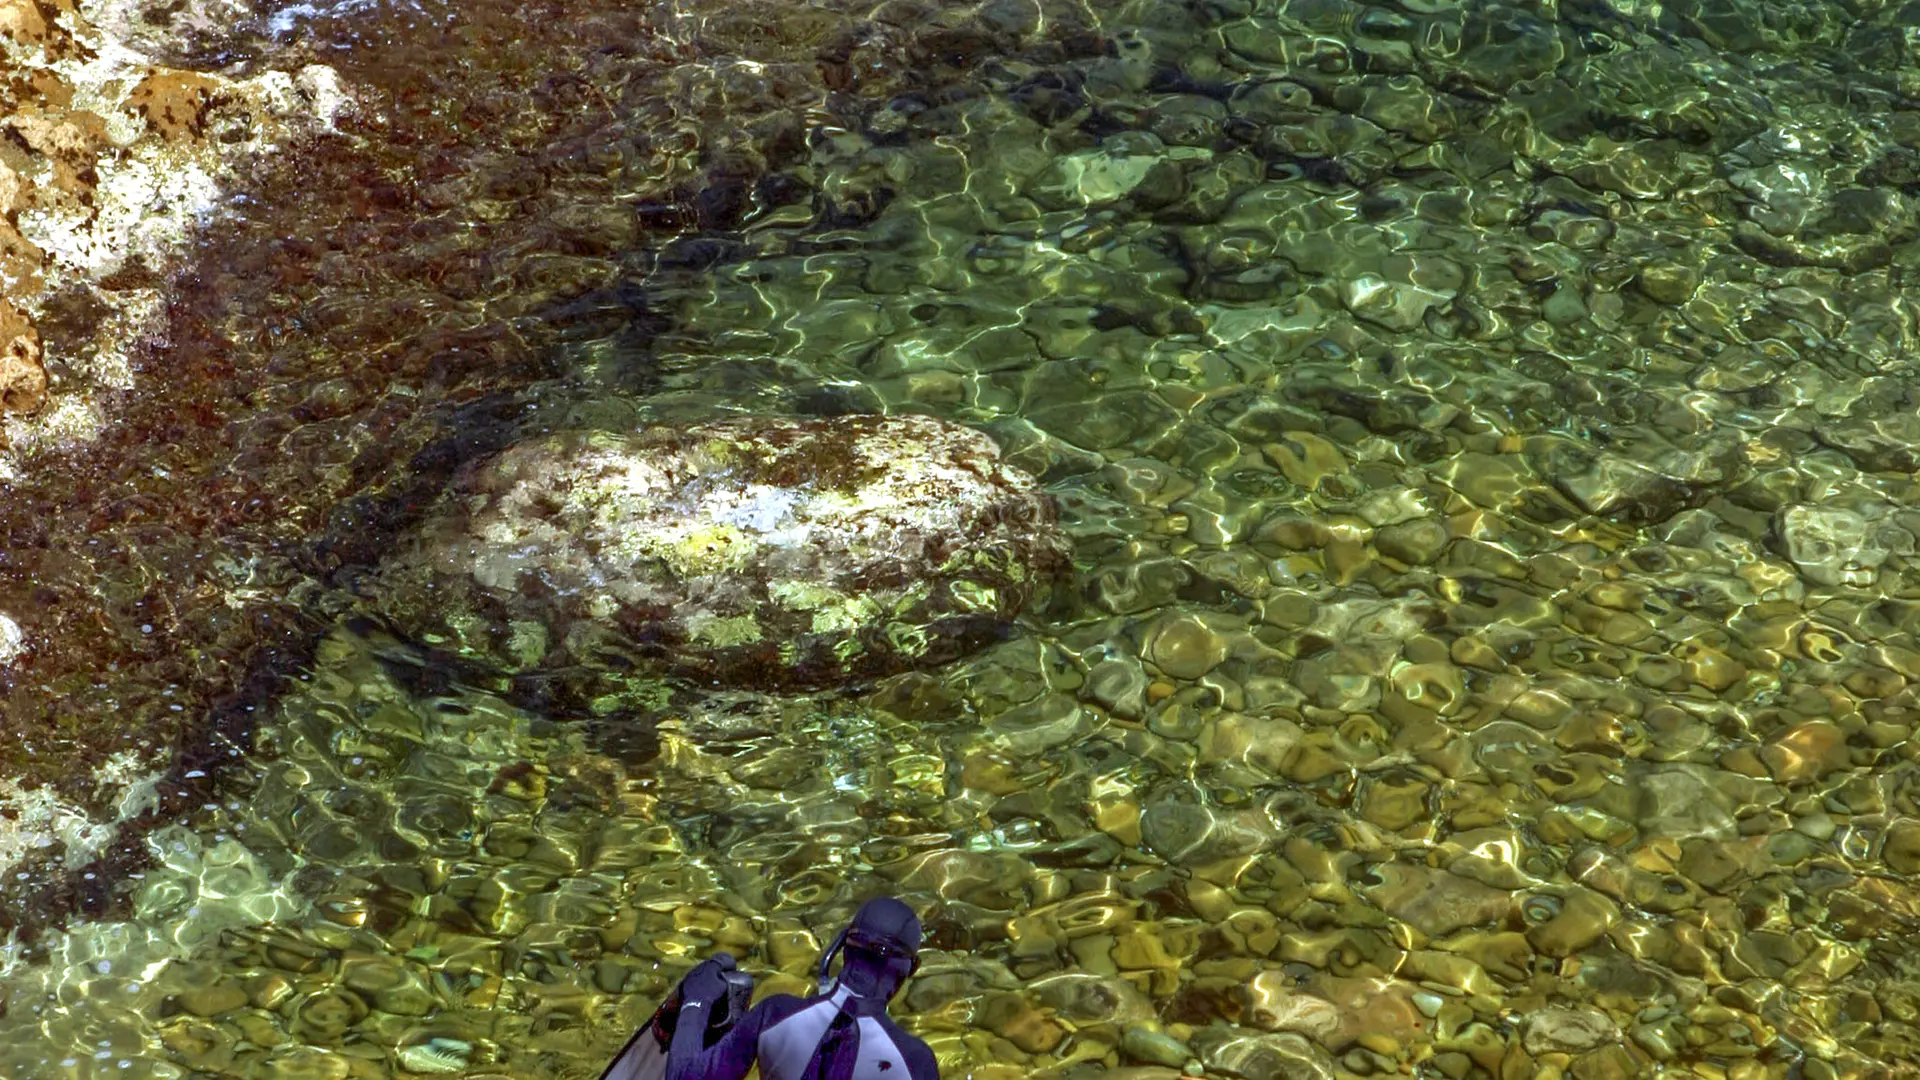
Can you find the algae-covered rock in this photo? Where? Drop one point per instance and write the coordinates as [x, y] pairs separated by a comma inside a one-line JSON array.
[[756, 552]]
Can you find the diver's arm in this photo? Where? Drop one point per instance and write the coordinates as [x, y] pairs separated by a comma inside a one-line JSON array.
[[728, 1059], [733, 1055], [688, 1056]]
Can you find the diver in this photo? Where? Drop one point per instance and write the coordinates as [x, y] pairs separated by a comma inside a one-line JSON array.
[[841, 1033]]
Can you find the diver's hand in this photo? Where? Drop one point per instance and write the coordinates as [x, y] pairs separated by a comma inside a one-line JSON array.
[[707, 982]]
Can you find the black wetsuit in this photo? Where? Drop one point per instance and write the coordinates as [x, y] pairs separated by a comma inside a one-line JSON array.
[[841, 1033], [798, 1039]]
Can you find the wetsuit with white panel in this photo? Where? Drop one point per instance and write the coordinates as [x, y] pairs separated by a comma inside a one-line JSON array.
[[841, 1033]]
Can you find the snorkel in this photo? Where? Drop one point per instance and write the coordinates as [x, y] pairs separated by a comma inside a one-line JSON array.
[[824, 982]]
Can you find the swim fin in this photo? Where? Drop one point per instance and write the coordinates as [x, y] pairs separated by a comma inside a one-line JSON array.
[[643, 1058], [645, 1055]]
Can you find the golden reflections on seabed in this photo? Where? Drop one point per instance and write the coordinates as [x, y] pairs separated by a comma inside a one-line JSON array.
[[1488, 435]]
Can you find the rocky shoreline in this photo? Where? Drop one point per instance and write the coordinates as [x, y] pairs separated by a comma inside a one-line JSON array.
[[116, 159]]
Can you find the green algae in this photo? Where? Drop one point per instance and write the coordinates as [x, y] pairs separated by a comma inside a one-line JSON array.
[[757, 571]]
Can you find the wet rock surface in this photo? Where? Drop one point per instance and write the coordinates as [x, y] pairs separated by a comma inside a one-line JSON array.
[[116, 155], [750, 553], [114, 158], [440, 259]]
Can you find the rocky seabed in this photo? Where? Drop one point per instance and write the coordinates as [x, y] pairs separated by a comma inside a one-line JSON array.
[[1486, 438]]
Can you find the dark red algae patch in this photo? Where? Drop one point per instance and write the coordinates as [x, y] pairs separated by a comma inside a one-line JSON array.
[[383, 304]]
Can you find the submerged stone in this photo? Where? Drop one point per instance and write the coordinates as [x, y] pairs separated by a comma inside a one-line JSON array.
[[1250, 1055], [1558, 1029], [755, 552], [1144, 1043], [1831, 545]]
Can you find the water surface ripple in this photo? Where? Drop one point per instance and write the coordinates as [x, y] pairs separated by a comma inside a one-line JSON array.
[[1487, 432]]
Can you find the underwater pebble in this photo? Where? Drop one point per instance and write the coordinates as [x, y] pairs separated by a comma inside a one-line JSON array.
[[1901, 848], [1184, 647], [1155, 1047], [213, 1000], [1561, 1030], [1415, 543], [436, 1056], [1830, 545], [1250, 1056]]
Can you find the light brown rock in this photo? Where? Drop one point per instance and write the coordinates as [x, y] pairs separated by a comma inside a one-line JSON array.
[[1901, 849], [1806, 751], [173, 103], [1275, 1005], [23, 378]]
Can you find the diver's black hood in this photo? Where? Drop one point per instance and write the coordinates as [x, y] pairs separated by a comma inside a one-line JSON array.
[[886, 928]]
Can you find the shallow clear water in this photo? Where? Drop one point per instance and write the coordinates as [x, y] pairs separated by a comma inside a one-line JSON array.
[[1487, 434]]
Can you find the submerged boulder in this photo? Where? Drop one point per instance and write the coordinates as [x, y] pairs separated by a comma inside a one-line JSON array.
[[750, 552]]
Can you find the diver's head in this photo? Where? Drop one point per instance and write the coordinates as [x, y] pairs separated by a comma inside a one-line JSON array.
[[880, 948]]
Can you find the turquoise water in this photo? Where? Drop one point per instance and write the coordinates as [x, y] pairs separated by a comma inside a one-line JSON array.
[[1486, 436]]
